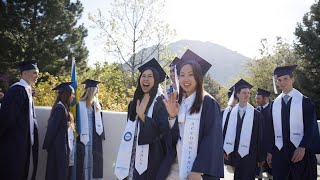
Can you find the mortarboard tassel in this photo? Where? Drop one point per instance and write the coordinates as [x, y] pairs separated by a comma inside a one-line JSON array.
[[231, 98], [176, 78], [274, 85]]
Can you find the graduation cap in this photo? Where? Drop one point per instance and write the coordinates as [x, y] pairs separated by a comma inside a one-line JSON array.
[[240, 85], [263, 92], [191, 56], [175, 61], [90, 83], [27, 65], [153, 63], [282, 71], [63, 87]]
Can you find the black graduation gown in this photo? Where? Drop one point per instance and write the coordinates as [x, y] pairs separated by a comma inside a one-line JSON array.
[[209, 160], [282, 167], [152, 132], [56, 144], [266, 116], [245, 168], [97, 153], [15, 136]]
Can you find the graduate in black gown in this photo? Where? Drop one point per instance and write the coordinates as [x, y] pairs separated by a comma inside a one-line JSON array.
[[291, 131], [243, 138], [141, 150], [56, 141], [89, 142], [263, 105], [194, 144], [233, 100], [18, 127]]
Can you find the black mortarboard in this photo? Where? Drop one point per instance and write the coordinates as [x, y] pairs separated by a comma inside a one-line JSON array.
[[63, 87], [263, 92], [27, 65], [240, 85], [191, 56], [90, 83], [175, 61], [284, 70], [153, 63]]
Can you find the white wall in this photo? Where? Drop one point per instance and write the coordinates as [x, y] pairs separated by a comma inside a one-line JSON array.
[[114, 123]]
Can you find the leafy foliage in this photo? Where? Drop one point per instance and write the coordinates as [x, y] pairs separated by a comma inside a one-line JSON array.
[[308, 47], [113, 94]]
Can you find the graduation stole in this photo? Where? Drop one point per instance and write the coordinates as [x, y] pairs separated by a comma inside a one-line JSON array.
[[84, 124], [245, 134], [32, 119], [187, 149], [296, 119], [125, 149], [225, 114], [71, 139]]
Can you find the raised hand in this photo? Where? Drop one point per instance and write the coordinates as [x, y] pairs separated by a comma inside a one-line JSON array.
[[141, 107], [172, 105]]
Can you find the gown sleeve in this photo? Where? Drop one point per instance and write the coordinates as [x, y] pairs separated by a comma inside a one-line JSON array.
[[261, 150], [308, 122], [53, 126], [12, 107], [209, 160]]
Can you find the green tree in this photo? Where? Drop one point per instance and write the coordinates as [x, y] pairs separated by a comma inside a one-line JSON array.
[[134, 33], [308, 47], [44, 30], [113, 94], [259, 71], [211, 86]]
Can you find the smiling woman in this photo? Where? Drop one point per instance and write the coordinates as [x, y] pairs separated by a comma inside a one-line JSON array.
[[141, 151]]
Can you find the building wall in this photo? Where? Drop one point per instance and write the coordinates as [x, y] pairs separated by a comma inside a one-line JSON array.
[[114, 123]]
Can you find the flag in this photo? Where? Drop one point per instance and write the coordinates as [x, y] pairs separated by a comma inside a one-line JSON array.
[[75, 112]]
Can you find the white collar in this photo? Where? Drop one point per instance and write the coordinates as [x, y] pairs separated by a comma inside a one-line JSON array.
[[24, 83], [264, 106], [243, 108], [190, 99], [289, 94]]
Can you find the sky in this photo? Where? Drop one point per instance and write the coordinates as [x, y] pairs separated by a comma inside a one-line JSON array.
[[238, 25]]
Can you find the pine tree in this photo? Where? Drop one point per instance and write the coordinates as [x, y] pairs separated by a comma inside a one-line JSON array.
[[43, 30], [308, 47]]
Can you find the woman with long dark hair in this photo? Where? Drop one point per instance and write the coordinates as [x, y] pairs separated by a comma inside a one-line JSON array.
[[58, 139], [196, 133], [141, 150]]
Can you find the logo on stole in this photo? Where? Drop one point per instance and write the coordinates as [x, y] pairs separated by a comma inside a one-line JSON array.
[[127, 136]]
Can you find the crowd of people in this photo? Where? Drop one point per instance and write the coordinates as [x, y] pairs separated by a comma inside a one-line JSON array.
[[176, 133]]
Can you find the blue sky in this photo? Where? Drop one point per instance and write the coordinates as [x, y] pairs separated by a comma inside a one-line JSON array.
[[238, 25]]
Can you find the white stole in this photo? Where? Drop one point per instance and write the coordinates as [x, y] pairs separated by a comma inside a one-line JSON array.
[[84, 124], [224, 116], [245, 134], [187, 148], [32, 120], [125, 149], [296, 119]]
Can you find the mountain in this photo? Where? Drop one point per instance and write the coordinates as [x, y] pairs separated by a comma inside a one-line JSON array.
[[225, 63]]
